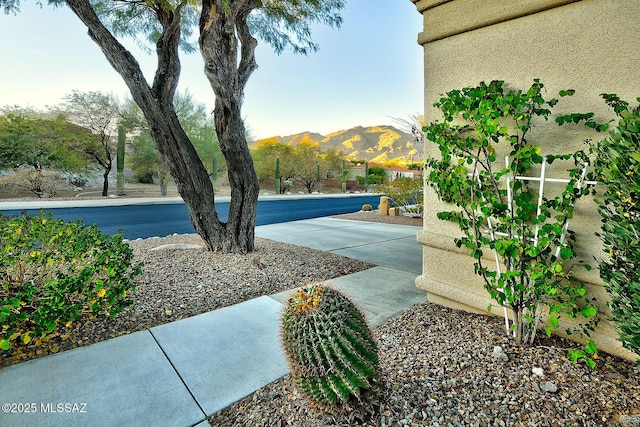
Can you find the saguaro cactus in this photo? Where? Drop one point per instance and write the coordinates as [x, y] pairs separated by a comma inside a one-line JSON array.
[[278, 175], [366, 176], [344, 176], [331, 350], [120, 161]]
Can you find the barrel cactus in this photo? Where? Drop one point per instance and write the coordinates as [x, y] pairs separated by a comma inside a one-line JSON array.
[[331, 351]]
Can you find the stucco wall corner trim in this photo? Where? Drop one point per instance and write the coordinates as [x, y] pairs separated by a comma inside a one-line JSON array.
[[450, 18], [423, 5], [454, 293]]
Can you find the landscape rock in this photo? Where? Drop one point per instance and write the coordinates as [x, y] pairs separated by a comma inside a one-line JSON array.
[[539, 372], [629, 420], [548, 386], [499, 354]]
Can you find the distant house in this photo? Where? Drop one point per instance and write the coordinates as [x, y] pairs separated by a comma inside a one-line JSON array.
[[395, 172]]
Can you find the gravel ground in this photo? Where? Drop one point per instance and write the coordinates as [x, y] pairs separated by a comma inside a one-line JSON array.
[[438, 365], [438, 369]]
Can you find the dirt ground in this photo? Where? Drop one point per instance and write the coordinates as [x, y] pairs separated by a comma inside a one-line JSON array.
[[136, 190]]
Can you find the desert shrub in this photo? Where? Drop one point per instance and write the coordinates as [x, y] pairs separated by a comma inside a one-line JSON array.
[[54, 272], [331, 351], [143, 177], [76, 180], [618, 167], [42, 183], [376, 176], [367, 207], [415, 211], [403, 191]]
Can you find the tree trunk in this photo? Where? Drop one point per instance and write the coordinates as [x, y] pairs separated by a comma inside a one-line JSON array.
[[107, 169], [105, 182], [156, 103], [225, 37]]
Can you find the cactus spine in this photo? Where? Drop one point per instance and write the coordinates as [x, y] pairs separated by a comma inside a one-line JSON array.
[[120, 161], [331, 351]]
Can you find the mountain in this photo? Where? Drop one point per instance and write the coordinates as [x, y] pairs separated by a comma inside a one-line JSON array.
[[379, 144]]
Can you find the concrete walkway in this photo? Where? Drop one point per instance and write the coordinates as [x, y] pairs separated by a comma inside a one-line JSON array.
[[179, 373]]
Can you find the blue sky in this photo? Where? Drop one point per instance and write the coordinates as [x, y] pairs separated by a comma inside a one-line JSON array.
[[364, 73]]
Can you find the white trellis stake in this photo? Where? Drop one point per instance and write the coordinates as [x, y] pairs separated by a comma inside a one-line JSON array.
[[542, 179]]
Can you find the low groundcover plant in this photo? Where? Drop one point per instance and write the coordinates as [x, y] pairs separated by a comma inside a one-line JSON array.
[[53, 273]]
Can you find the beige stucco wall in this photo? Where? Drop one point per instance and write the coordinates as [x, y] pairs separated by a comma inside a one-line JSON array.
[[591, 46]]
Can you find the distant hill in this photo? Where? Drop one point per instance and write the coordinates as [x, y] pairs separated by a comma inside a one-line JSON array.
[[379, 144]]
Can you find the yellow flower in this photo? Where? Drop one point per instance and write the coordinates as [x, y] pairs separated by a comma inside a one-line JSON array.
[[101, 293], [307, 299]]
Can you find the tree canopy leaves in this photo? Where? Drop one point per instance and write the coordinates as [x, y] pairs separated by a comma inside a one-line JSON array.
[[43, 143], [228, 33]]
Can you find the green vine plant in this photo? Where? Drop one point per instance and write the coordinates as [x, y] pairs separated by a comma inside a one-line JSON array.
[[617, 166], [499, 210]]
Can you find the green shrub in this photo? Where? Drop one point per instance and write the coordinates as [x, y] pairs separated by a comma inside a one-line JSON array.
[[500, 214], [54, 272], [143, 177], [403, 191], [367, 207], [375, 176], [331, 350], [618, 168]]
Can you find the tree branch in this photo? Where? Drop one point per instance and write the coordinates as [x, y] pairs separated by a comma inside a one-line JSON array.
[[165, 82]]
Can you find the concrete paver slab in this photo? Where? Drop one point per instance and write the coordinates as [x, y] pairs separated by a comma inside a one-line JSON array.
[[227, 354], [330, 234], [380, 292], [403, 253], [125, 381]]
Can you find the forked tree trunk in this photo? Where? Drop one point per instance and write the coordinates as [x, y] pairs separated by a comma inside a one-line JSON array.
[[228, 50], [178, 153]]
